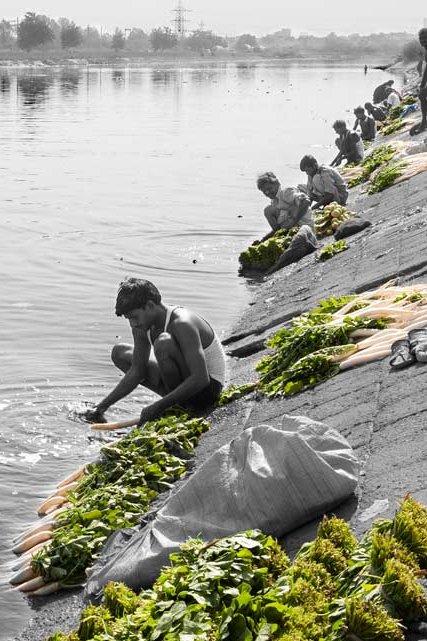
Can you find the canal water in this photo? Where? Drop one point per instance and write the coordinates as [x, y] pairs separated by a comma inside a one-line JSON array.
[[137, 171]]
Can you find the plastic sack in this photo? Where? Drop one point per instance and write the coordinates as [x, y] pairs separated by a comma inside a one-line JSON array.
[[273, 478], [351, 227]]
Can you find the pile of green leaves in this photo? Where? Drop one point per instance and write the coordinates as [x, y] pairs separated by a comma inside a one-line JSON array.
[[391, 124], [234, 392], [303, 355], [331, 250], [386, 177], [378, 156], [263, 255], [243, 587], [116, 492]]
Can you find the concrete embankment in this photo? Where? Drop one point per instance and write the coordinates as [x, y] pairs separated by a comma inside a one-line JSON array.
[[381, 412]]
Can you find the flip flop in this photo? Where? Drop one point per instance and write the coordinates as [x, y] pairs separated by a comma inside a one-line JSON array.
[[401, 355], [418, 343]]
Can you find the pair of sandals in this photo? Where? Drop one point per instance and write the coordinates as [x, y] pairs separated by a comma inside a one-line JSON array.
[[406, 351]]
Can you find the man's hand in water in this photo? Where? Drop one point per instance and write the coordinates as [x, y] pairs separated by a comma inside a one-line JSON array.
[[93, 415]]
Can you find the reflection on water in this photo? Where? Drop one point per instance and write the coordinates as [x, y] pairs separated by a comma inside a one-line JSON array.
[[4, 82], [69, 80], [127, 172], [33, 90]]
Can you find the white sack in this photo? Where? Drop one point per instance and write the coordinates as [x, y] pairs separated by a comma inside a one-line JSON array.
[[270, 478]]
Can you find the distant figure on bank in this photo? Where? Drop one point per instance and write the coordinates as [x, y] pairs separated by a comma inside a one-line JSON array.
[[392, 98], [376, 111], [324, 184], [175, 353], [349, 144], [365, 69], [380, 92], [367, 124], [288, 208], [422, 125]]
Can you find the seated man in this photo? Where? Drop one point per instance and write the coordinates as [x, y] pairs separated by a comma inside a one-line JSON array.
[[324, 184], [289, 208], [392, 98], [367, 124], [175, 353], [380, 91], [422, 125], [349, 144], [378, 113]]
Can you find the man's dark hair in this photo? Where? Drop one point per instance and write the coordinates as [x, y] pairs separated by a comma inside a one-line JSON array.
[[339, 124], [422, 37], [267, 179], [368, 106], [135, 293], [359, 110], [308, 161]]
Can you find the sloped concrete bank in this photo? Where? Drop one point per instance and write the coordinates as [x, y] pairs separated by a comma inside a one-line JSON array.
[[382, 413]]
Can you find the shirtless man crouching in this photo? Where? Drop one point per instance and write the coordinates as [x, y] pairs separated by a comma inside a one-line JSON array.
[[175, 353]]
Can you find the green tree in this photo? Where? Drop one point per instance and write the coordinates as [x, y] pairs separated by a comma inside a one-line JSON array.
[[246, 41], [34, 30], [200, 40], [71, 35], [137, 41], [163, 38], [118, 40], [6, 33], [91, 37]]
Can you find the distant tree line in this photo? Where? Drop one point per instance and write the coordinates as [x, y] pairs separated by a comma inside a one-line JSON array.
[[35, 30]]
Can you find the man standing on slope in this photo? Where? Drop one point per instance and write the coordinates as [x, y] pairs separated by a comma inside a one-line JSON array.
[[422, 126], [175, 353]]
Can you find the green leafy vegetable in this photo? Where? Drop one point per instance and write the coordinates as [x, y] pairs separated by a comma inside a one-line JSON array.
[[331, 250], [386, 177], [261, 256]]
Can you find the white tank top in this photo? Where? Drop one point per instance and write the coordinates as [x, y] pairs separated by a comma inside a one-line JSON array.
[[214, 352]]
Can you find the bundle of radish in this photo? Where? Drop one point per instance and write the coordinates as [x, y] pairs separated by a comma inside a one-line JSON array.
[[110, 494], [340, 334], [328, 219]]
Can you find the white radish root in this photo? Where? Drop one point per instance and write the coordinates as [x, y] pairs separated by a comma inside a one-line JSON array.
[[75, 476], [362, 358], [42, 527], [29, 543], [32, 584], [48, 588], [51, 504], [24, 575]]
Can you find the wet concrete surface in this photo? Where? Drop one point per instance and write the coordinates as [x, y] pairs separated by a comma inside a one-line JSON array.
[[382, 413]]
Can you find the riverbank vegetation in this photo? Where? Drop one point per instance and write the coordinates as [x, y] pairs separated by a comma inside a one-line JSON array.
[[36, 36]]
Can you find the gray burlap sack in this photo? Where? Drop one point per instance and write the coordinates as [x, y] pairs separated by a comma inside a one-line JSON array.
[[273, 478]]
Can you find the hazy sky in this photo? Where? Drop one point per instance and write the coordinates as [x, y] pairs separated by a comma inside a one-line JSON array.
[[235, 16]]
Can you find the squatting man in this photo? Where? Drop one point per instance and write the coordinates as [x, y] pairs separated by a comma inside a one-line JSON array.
[[175, 353]]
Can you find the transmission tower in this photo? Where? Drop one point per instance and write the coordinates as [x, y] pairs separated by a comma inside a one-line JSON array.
[[180, 20]]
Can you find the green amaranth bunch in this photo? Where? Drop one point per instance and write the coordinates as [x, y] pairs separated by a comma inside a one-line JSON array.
[[378, 156], [264, 255], [386, 176], [332, 250]]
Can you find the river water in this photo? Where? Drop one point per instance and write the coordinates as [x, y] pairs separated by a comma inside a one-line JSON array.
[[108, 173]]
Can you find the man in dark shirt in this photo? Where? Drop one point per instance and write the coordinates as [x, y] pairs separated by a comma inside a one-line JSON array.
[[366, 123], [422, 125], [380, 92], [377, 112], [349, 144]]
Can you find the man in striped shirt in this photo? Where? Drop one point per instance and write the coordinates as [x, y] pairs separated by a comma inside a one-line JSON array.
[[324, 184]]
